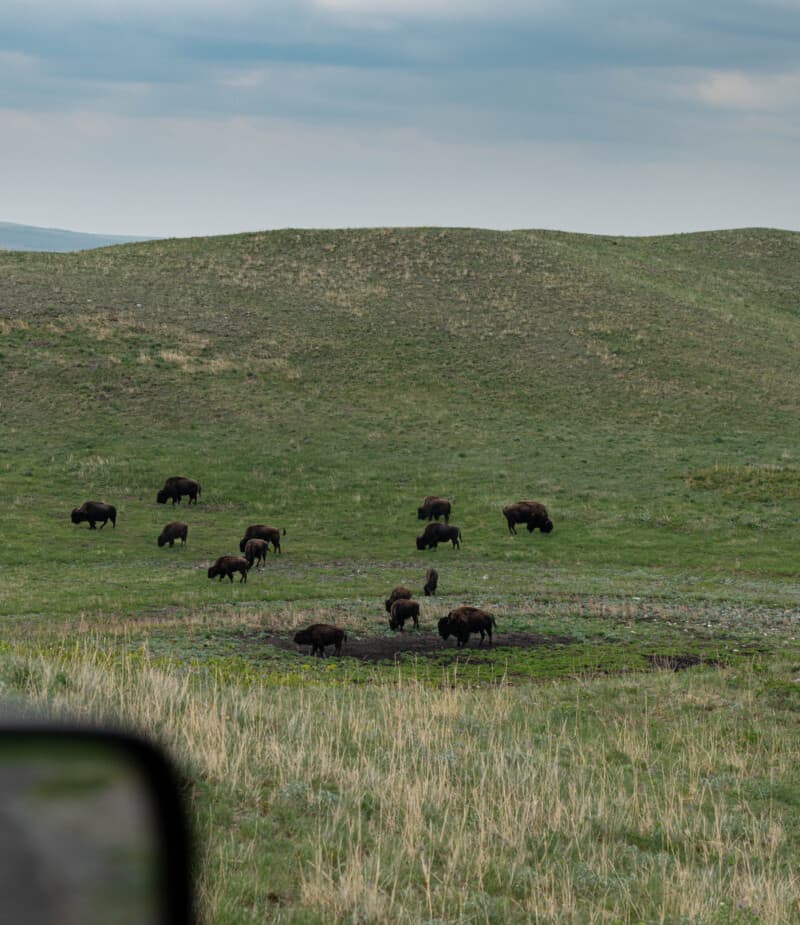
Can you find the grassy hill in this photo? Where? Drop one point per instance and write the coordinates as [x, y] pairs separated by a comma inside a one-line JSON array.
[[644, 389]]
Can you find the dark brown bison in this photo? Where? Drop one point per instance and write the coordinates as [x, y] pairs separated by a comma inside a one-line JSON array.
[[174, 531], [319, 635], [225, 566], [177, 486], [256, 550], [433, 508], [262, 532], [431, 582], [397, 594], [465, 620], [402, 610], [436, 533], [531, 513], [93, 511]]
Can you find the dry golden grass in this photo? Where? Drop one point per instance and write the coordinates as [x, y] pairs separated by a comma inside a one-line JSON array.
[[601, 802]]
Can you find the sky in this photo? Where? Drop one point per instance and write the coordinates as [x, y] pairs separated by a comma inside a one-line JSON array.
[[199, 117]]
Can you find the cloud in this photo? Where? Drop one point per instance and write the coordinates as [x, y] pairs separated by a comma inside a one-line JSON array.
[[739, 90]]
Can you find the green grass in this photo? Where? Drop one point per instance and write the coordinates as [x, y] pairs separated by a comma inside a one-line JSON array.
[[644, 389]]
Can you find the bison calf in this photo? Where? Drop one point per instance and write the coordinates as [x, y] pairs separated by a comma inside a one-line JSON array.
[[401, 611], [93, 511], [225, 566], [174, 531], [256, 550], [397, 594], [319, 635], [431, 582], [465, 620]]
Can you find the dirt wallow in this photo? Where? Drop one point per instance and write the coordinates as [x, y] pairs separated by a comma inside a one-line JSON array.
[[425, 645]]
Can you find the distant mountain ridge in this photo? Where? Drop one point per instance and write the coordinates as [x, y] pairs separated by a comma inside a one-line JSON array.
[[14, 237]]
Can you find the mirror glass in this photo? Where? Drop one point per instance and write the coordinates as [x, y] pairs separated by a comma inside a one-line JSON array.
[[79, 842]]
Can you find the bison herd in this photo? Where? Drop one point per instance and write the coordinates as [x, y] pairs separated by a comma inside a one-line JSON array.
[[400, 605]]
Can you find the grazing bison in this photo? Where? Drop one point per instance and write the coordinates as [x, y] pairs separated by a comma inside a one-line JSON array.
[[319, 635], [94, 511], [402, 610], [431, 582], [465, 620], [176, 487], [436, 533], [433, 508], [256, 550], [262, 532], [174, 531], [225, 566], [397, 594], [531, 513]]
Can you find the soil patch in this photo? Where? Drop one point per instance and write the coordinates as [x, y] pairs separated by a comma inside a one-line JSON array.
[[425, 645], [681, 662]]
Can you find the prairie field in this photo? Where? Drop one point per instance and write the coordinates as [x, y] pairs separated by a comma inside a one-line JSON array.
[[627, 749]]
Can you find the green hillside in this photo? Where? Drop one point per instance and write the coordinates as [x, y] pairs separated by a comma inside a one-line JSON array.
[[645, 390]]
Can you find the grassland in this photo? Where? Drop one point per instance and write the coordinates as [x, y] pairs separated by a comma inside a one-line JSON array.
[[645, 390]]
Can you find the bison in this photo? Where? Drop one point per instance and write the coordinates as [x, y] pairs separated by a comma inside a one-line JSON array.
[[398, 593], [402, 610], [262, 532], [256, 550], [531, 513], [436, 533], [433, 508], [177, 486], [465, 620], [225, 566], [94, 511], [431, 582], [319, 635], [174, 531]]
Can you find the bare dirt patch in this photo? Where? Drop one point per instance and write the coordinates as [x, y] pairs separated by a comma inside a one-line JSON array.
[[425, 645]]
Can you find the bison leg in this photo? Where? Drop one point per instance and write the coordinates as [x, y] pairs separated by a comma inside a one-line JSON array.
[[511, 528], [416, 622], [91, 525]]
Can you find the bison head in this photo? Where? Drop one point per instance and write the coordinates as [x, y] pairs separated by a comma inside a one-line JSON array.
[[547, 526], [213, 571], [161, 540], [242, 544], [162, 497], [303, 638], [444, 627], [422, 513], [77, 516], [421, 544]]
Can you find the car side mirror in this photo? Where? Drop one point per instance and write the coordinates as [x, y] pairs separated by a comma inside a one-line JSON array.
[[92, 829]]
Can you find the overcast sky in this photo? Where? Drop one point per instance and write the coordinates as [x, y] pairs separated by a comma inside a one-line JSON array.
[[188, 117]]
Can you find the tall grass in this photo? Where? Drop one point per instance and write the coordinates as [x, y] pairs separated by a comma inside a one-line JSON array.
[[665, 798]]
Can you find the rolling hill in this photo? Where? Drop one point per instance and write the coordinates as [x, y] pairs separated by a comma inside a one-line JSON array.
[[645, 390], [15, 237]]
